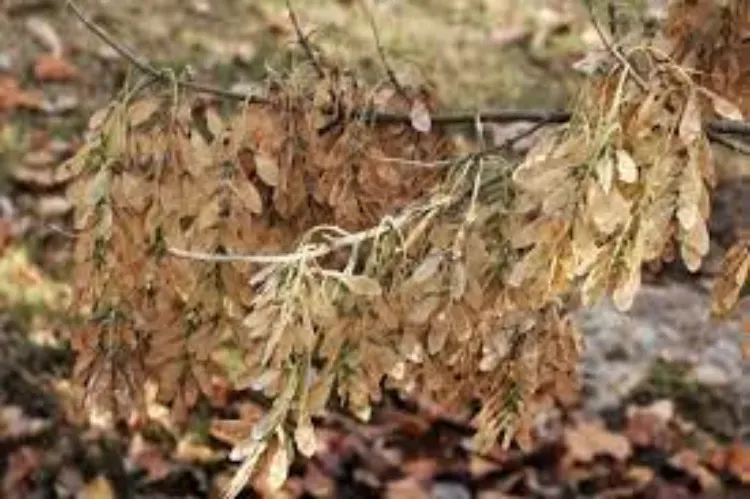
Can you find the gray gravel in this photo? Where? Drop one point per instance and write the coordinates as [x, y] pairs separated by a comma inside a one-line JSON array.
[[668, 322]]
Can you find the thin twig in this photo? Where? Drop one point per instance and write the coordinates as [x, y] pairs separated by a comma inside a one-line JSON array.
[[511, 141], [469, 118], [121, 49], [738, 147], [378, 117], [613, 49], [302, 39], [315, 252], [381, 52], [146, 67], [308, 253]]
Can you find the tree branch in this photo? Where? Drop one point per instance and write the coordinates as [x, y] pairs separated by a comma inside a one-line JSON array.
[[302, 39], [381, 52], [146, 67], [722, 126]]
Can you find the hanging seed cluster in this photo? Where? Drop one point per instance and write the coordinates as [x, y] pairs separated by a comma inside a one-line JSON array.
[[297, 249]]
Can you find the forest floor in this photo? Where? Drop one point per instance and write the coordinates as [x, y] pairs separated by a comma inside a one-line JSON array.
[[665, 406]]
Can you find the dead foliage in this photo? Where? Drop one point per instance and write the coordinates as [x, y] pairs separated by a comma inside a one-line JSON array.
[[313, 256]]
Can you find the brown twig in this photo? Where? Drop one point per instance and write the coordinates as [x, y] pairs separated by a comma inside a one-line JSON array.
[[302, 40], [722, 126], [381, 53], [469, 118], [508, 143], [613, 49], [738, 147], [147, 68]]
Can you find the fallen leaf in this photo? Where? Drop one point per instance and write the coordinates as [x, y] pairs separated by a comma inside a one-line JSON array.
[[588, 440], [641, 475], [663, 409], [191, 452], [51, 68], [98, 488], [12, 97], [738, 462], [316, 482], [14, 424], [148, 457], [405, 488], [645, 428], [689, 461], [20, 465]]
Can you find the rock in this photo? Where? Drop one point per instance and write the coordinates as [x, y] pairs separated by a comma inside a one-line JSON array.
[[709, 375], [449, 490], [60, 104], [666, 321]]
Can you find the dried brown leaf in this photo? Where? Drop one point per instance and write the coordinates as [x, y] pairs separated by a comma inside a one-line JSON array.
[[626, 167], [304, 437], [98, 119], [458, 281], [249, 195], [688, 201], [98, 488], [425, 270], [141, 111], [420, 313], [627, 286], [605, 170], [281, 460], [726, 108], [214, 122], [735, 270], [420, 117], [608, 211], [267, 169], [361, 284], [691, 125], [589, 440]]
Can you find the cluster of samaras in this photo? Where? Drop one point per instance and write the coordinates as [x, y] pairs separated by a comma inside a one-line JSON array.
[[375, 254]]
